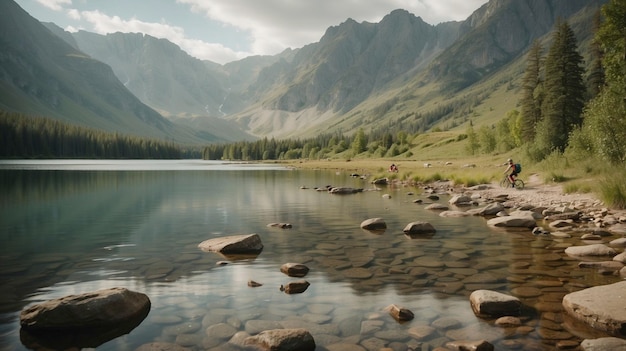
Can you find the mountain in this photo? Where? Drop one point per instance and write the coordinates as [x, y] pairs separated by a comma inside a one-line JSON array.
[[43, 75], [368, 75], [399, 74]]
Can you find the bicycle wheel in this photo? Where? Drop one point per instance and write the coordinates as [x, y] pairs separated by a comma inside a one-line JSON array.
[[504, 183], [519, 184]]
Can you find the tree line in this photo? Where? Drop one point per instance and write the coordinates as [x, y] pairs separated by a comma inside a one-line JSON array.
[[23, 136], [562, 107]]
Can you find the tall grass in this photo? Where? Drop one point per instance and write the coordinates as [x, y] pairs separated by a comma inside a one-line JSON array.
[[613, 191]]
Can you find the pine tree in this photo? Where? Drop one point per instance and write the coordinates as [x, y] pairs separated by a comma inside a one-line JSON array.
[[564, 92], [531, 92], [604, 130], [595, 78]]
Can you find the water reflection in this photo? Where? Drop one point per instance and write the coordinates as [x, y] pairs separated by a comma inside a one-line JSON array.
[[82, 228]]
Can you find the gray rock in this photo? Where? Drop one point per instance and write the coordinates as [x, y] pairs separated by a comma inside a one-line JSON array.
[[400, 313], [602, 307], [436, 206], [470, 345], [526, 213], [161, 346], [460, 199], [494, 304], [374, 224], [590, 250], [619, 228], [618, 242], [294, 269], [620, 257], [282, 340], [344, 190], [280, 225], [512, 222], [454, 214], [603, 344], [562, 223], [419, 228], [235, 244], [102, 308], [564, 216], [491, 209], [296, 287]]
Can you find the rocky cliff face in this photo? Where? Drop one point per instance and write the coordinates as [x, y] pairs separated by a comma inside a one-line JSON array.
[[353, 60]]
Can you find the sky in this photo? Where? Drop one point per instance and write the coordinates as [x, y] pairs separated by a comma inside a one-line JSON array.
[[223, 31]]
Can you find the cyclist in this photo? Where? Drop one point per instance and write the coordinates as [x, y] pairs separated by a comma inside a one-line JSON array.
[[511, 167]]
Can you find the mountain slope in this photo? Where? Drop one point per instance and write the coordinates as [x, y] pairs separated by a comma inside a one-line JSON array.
[[41, 74], [376, 75]]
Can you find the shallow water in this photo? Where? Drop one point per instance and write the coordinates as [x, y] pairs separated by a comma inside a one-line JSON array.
[[70, 227]]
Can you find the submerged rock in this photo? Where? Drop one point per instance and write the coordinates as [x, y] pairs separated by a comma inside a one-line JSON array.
[[494, 304], [401, 314], [282, 340]]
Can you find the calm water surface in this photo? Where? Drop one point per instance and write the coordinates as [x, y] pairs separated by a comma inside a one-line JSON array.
[[69, 227]]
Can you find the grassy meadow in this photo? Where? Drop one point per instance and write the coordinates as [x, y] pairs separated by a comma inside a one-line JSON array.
[[448, 160]]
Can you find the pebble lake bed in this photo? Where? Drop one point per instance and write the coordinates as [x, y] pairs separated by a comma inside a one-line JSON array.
[[355, 277]]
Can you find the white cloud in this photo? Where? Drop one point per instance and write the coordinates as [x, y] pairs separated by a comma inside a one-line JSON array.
[[270, 26], [103, 24], [276, 24], [56, 5]]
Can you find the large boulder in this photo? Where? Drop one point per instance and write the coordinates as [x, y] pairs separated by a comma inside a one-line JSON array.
[[235, 244], [82, 321], [494, 304], [102, 308], [602, 307], [282, 340]]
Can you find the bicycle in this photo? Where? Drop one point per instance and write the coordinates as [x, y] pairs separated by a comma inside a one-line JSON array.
[[506, 183]]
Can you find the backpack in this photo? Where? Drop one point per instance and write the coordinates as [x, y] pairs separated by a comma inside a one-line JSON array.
[[518, 168]]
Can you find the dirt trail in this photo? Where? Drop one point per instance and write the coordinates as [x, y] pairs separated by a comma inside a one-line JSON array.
[[540, 194]]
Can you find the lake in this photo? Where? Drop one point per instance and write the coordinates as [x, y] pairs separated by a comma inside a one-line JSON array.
[[75, 226]]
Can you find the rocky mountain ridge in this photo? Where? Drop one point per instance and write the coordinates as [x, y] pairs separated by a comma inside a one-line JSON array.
[[359, 75]]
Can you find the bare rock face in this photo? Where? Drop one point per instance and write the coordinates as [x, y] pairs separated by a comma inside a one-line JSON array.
[[282, 340], [235, 244], [494, 304], [101, 308], [602, 307], [294, 269]]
